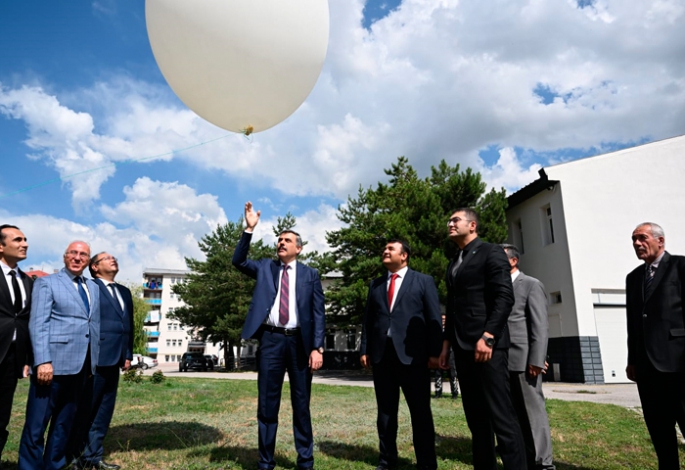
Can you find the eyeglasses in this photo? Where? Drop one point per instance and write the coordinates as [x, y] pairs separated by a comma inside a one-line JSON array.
[[77, 254], [106, 258], [456, 220]]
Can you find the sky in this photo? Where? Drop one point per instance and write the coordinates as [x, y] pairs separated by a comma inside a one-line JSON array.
[[94, 145]]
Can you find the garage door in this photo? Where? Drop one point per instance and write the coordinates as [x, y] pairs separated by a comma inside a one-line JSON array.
[[613, 337]]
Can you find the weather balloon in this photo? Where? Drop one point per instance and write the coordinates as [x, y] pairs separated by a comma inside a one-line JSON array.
[[244, 65]]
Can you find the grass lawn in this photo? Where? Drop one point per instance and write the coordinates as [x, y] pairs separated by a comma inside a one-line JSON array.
[[197, 424]]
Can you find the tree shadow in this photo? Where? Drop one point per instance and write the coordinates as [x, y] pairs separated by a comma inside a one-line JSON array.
[[165, 435], [358, 453]]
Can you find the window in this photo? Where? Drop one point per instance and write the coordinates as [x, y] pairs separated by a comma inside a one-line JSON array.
[[173, 343], [555, 297], [330, 341], [518, 236], [351, 339], [175, 326], [547, 226], [168, 343], [168, 326]]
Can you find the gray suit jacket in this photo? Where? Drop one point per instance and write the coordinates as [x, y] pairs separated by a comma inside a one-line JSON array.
[[60, 326], [528, 324]]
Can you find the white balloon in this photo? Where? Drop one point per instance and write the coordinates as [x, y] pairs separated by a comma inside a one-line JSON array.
[[244, 65]]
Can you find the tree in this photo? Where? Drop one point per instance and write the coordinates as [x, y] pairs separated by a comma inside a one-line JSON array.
[[140, 311], [411, 208]]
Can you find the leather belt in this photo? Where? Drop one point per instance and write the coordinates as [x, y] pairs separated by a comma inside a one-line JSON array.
[[280, 330]]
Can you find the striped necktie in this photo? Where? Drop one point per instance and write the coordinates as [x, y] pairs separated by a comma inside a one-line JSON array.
[[649, 278], [284, 307]]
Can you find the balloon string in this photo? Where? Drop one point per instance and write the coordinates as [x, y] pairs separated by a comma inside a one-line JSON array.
[[109, 165]]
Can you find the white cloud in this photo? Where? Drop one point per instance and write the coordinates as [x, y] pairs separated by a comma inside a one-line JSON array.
[[508, 172]]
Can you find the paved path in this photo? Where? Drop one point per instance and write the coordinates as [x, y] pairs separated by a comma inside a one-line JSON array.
[[616, 394]]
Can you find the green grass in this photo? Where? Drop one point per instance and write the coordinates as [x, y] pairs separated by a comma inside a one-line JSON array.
[[195, 424]]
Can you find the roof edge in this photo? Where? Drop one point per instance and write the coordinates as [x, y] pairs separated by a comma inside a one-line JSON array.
[[532, 189]]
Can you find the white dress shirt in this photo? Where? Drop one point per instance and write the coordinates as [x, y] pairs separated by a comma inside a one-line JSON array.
[[117, 293], [293, 319], [6, 272]]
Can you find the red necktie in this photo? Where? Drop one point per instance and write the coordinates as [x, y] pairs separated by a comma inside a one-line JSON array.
[[284, 308], [391, 289]]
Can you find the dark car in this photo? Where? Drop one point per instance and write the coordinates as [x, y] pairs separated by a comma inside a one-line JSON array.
[[191, 360], [210, 361]]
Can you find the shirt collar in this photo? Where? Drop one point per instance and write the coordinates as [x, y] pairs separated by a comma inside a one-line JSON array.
[[6, 269], [514, 275], [401, 273], [656, 262]]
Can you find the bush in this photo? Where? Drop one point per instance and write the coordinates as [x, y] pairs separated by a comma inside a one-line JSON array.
[[133, 376], [158, 377]]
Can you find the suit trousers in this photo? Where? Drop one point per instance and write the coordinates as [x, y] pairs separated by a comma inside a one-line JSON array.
[[94, 416], [389, 376], [662, 396], [529, 403], [8, 385], [489, 410], [278, 354]]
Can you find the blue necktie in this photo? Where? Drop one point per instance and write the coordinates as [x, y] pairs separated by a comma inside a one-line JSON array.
[[82, 293]]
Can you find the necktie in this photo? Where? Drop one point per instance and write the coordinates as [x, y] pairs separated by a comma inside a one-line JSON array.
[[18, 303], [284, 308], [649, 277], [458, 263], [391, 289], [82, 293]]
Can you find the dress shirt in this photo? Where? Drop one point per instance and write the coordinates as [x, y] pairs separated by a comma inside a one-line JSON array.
[[6, 272], [655, 263], [293, 320], [117, 293], [514, 275], [83, 281], [398, 283]]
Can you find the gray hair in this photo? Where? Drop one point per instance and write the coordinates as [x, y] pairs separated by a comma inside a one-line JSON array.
[[656, 229], [512, 252]]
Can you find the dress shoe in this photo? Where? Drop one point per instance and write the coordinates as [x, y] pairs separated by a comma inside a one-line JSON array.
[[102, 465]]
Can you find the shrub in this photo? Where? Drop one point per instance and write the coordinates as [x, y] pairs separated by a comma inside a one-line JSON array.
[[133, 376], [158, 377]]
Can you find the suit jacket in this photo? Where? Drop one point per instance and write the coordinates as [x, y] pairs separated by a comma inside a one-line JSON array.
[[59, 325], [415, 321], [9, 323], [480, 296], [116, 326], [308, 293], [528, 324], [656, 324]]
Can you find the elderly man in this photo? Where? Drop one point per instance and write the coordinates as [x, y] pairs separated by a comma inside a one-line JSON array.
[[656, 338], [287, 317], [65, 332]]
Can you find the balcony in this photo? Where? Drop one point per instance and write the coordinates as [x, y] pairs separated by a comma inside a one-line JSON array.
[[152, 285], [152, 349], [152, 334], [153, 301]]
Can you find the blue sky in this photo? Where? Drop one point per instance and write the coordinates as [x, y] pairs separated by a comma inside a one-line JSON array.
[[504, 87]]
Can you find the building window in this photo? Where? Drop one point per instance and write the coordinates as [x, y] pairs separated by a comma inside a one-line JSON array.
[[547, 226], [352, 340], [175, 326], [518, 236], [330, 341], [166, 358], [555, 297], [168, 326], [168, 343]]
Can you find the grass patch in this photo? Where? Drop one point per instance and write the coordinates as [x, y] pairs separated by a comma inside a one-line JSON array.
[[193, 424]]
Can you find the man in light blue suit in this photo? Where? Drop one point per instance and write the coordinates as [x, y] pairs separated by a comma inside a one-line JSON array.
[[65, 335]]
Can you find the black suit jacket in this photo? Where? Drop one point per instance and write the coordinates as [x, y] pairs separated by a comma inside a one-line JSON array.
[[656, 324], [480, 296], [9, 322], [415, 321], [116, 326]]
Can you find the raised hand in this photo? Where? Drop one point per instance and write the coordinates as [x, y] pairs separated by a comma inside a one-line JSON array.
[[251, 217]]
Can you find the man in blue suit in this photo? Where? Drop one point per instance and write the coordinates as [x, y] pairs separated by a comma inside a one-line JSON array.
[[401, 338], [116, 351], [287, 317], [65, 334]]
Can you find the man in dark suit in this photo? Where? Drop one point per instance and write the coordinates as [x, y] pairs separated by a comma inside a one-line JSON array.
[[656, 338], [480, 298], [15, 305], [116, 352], [65, 336], [528, 330], [401, 334], [287, 317]]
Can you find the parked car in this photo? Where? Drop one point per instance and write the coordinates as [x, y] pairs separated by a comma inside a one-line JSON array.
[[210, 361], [143, 362], [193, 360]]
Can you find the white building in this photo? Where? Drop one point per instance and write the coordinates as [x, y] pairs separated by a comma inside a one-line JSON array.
[[167, 339], [573, 226]]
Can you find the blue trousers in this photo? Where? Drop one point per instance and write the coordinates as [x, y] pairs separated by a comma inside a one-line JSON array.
[[278, 354]]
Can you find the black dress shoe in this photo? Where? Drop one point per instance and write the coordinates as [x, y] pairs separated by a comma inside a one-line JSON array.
[[102, 465]]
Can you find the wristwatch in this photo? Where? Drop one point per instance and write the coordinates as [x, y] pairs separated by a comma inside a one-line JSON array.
[[320, 350], [489, 341]]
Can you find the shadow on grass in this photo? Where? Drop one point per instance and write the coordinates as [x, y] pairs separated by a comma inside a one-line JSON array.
[[245, 457], [357, 453], [167, 435]]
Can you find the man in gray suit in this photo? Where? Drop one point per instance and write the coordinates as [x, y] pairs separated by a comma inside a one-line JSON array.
[[65, 334], [528, 329]]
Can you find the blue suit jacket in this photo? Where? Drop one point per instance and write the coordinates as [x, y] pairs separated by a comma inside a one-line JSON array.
[[59, 325], [415, 321], [116, 326], [309, 295]]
